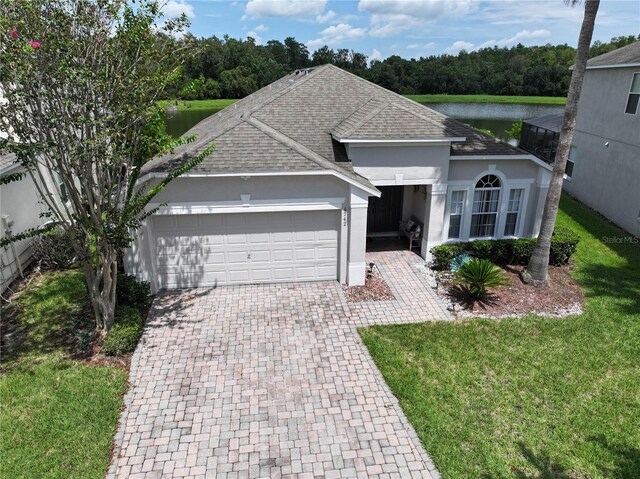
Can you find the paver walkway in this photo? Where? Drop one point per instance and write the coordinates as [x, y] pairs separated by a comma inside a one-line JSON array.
[[271, 381]]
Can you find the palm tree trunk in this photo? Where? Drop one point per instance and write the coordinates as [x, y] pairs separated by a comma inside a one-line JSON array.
[[537, 271]]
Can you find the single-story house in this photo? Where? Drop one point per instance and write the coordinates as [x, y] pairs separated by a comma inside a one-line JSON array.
[[308, 167]]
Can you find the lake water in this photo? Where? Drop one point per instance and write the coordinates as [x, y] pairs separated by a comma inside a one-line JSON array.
[[497, 117]]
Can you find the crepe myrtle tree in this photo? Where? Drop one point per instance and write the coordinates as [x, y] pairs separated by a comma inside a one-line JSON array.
[[81, 81]]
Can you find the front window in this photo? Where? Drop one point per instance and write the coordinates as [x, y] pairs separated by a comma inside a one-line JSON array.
[[486, 199], [455, 215], [513, 208], [634, 95]]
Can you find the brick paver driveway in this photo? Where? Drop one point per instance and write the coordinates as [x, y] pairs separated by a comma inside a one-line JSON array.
[[271, 381]]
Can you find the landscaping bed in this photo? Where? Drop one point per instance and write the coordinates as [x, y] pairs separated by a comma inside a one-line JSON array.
[[375, 288], [515, 299], [531, 397]]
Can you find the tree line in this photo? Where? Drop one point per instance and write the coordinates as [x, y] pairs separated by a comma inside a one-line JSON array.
[[233, 68]]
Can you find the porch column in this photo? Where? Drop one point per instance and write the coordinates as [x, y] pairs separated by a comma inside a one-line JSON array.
[[434, 233], [357, 219]]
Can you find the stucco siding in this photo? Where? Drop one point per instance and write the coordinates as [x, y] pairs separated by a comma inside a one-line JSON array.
[[607, 178], [258, 187], [19, 203], [602, 105], [381, 165]]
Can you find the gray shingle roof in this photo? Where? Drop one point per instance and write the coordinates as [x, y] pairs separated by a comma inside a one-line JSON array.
[[289, 125], [621, 56]]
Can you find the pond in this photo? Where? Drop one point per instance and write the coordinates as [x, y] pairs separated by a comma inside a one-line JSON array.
[[496, 117]]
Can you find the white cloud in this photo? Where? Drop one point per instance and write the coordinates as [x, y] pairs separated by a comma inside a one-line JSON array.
[[390, 17], [426, 46], [261, 28], [284, 8], [327, 17], [501, 12], [519, 37], [174, 9], [253, 34], [375, 55], [458, 46], [336, 34]]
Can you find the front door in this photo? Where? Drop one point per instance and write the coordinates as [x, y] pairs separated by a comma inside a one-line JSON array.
[[385, 213]]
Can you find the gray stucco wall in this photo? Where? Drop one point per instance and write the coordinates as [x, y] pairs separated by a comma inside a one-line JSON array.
[[607, 178], [259, 187], [381, 164]]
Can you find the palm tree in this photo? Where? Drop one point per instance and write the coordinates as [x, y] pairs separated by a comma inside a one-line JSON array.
[[537, 271]]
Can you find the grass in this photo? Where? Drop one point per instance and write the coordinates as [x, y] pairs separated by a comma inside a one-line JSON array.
[[58, 416], [530, 100], [533, 397], [184, 105]]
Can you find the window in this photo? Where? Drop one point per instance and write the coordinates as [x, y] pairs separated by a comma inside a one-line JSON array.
[[513, 208], [62, 188], [485, 206], [634, 95], [570, 161], [455, 213]]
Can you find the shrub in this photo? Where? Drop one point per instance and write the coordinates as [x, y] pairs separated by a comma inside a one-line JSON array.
[[123, 336], [507, 251], [53, 249], [131, 292], [479, 275]]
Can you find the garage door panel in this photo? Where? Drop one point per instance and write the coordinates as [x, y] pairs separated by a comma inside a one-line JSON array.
[[206, 250]]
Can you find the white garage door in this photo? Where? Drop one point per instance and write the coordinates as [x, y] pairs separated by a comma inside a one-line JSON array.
[[241, 248]]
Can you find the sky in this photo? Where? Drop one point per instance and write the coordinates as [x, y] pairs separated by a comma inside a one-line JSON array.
[[409, 28]]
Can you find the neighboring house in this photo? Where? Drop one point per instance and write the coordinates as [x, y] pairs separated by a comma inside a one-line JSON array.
[[606, 144], [308, 167], [19, 210]]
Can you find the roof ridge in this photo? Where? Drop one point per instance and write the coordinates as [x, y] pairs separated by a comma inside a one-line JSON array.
[[366, 118], [285, 90], [303, 150]]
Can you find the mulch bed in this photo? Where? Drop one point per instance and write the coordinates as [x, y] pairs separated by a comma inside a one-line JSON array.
[[562, 298], [375, 289]]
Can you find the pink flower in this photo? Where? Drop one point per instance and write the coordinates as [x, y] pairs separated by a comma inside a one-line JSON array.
[[35, 45], [14, 33]]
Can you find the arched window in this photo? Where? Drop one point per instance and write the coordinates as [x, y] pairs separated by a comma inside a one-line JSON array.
[[486, 200]]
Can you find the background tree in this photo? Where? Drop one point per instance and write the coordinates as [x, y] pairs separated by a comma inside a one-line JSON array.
[[81, 80], [537, 271]]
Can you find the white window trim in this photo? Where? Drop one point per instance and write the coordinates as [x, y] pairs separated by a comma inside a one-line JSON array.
[[633, 75], [463, 215], [469, 188]]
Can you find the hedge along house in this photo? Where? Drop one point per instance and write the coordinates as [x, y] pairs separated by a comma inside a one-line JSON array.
[[308, 167]]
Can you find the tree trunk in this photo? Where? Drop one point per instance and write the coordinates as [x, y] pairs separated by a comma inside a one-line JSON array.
[[101, 282], [537, 271]]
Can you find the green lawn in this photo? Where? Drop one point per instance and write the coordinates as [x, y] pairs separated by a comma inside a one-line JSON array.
[[199, 104], [532, 397], [57, 416], [532, 100], [543, 100]]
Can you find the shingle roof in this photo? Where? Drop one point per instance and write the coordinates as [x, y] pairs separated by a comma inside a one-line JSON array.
[[622, 56], [289, 125]]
